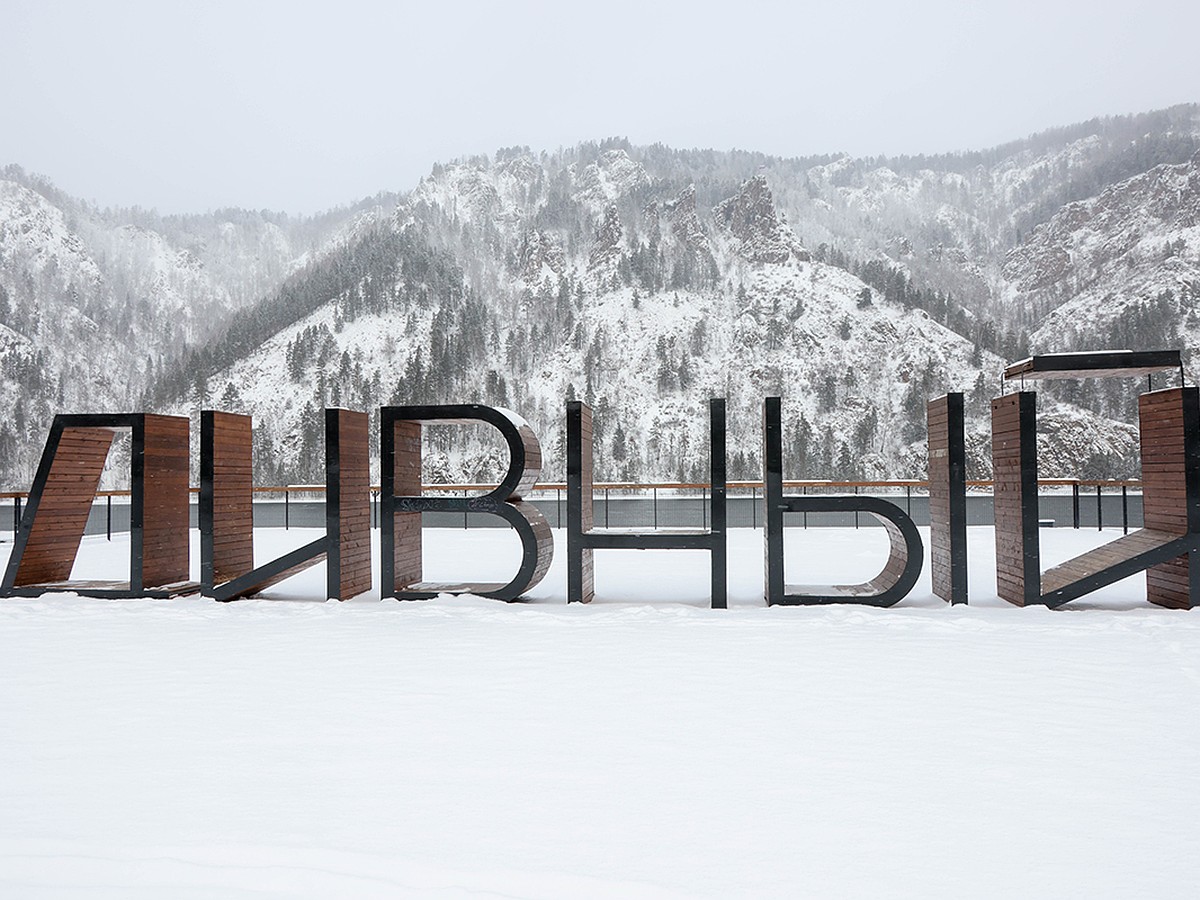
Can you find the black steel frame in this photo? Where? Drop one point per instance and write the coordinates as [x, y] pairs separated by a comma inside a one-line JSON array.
[[135, 423], [1187, 544], [713, 538], [325, 547], [1031, 546], [777, 505], [503, 501], [956, 448], [204, 511], [1095, 364]]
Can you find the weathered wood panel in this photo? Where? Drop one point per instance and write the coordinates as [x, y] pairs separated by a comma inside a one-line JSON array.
[[228, 437], [1105, 556], [353, 499], [407, 473], [1168, 421], [532, 470], [1014, 475], [65, 504], [896, 563], [165, 499]]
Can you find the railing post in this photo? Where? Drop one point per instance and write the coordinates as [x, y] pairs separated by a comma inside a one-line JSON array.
[[704, 507], [1075, 504], [464, 511], [753, 507], [1099, 511], [108, 520], [558, 507], [803, 491], [287, 509], [656, 509], [908, 499], [856, 511], [606, 507], [1125, 509], [16, 515]]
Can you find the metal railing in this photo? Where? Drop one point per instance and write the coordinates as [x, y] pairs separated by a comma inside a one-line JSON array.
[[663, 504]]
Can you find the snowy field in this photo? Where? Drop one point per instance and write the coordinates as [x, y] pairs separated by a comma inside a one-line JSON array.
[[642, 746]]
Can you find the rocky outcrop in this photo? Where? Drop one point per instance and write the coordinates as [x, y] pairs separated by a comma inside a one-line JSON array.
[[750, 218]]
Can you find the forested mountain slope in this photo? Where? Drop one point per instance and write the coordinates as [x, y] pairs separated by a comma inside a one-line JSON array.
[[643, 279]]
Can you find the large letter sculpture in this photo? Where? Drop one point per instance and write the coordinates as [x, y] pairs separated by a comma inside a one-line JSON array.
[[60, 502], [948, 497], [227, 570], [583, 538], [1170, 436], [904, 559], [402, 502]]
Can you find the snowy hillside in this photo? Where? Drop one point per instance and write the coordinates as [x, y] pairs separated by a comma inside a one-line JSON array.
[[642, 279], [596, 280], [645, 310], [96, 304], [1107, 265], [950, 220]]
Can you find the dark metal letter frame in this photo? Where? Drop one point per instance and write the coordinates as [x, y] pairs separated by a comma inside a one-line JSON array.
[[401, 501], [227, 570], [906, 550], [1169, 423], [583, 538], [46, 545]]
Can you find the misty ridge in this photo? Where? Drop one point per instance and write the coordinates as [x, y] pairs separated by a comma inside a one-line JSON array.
[[641, 279]]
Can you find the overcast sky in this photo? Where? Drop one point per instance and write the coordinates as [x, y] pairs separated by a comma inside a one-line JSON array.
[[299, 107]]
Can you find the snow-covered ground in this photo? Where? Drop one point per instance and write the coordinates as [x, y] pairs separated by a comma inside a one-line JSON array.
[[642, 746]]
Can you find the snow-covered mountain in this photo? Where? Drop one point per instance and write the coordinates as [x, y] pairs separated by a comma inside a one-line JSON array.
[[96, 304], [642, 279], [606, 281], [1124, 262]]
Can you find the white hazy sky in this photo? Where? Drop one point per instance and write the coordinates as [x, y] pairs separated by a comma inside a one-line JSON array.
[[299, 106]]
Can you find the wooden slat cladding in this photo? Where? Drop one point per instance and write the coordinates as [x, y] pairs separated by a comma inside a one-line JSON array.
[[1014, 473], [65, 504], [165, 499], [407, 474], [269, 581], [353, 504], [1170, 483], [269, 574], [229, 439], [896, 563], [227, 512], [532, 467], [543, 535], [227, 516], [947, 497], [1089, 564], [65, 485]]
